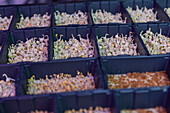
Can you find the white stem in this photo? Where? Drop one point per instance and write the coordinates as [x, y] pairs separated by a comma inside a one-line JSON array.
[[8, 79]]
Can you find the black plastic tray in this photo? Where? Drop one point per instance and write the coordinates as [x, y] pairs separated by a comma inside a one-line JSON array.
[[8, 11], [154, 28], [148, 4], [123, 65], [113, 29], [16, 35], [71, 8], [30, 10], [3, 38], [1, 107], [103, 98], [143, 98], [69, 66], [109, 6], [24, 104], [75, 30], [13, 71], [168, 101], [164, 4]]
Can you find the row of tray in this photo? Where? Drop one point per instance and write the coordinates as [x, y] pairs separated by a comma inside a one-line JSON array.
[[115, 100], [12, 37], [99, 68], [111, 6]]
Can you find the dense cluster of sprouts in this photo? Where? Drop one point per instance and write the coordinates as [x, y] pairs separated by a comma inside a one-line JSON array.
[[33, 50], [73, 48], [142, 15], [37, 111], [7, 88], [5, 22], [146, 110], [156, 43], [66, 19], [138, 80], [90, 110], [35, 21], [104, 17], [118, 45], [61, 83]]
